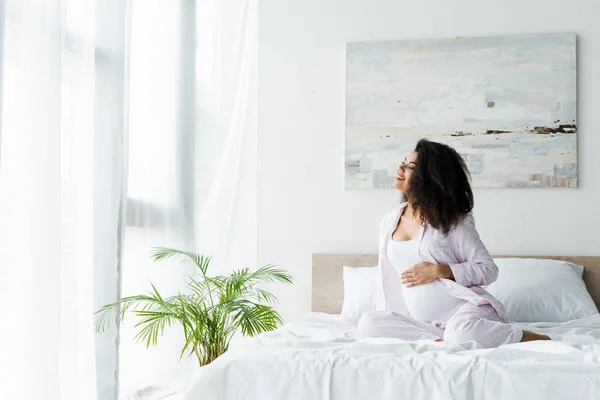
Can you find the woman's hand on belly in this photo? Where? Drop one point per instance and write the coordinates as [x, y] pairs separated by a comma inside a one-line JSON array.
[[424, 273]]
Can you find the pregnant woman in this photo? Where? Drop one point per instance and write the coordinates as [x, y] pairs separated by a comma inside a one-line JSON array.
[[433, 262]]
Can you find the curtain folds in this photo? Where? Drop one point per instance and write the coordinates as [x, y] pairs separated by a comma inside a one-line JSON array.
[[61, 194], [125, 124]]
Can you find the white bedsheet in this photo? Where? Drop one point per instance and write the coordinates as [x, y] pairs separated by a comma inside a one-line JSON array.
[[319, 358]]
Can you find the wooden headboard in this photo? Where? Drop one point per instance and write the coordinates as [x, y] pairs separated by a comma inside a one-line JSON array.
[[328, 284]]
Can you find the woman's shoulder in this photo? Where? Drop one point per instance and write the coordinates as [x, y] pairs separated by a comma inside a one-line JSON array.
[[467, 220], [393, 213], [465, 224]]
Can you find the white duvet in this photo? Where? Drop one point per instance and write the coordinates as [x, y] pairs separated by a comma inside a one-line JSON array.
[[319, 358]]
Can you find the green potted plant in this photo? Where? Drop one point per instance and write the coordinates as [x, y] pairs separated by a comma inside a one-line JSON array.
[[210, 311]]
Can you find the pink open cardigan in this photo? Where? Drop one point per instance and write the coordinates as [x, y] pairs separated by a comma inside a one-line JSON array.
[[462, 249]]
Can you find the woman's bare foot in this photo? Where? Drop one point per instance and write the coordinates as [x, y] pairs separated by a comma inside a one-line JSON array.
[[530, 336], [439, 340]]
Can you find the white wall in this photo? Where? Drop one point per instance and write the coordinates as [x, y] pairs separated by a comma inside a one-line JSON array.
[[302, 205]]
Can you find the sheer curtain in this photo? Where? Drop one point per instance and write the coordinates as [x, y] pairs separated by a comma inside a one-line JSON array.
[[192, 158], [126, 124], [61, 180], [226, 152], [160, 179]]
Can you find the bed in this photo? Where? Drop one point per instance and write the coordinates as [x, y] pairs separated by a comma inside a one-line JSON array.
[[319, 357]]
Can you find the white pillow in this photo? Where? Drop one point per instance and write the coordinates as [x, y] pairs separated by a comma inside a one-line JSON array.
[[360, 291], [535, 290]]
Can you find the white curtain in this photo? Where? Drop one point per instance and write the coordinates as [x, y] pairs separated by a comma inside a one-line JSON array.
[[226, 153], [160, 179], [192, 158], [125, 125], [61, 194]]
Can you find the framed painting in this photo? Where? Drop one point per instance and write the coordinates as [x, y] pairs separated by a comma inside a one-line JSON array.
[[508, 105]]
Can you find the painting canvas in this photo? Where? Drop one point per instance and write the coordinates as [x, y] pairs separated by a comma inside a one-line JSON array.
[[508, 105]]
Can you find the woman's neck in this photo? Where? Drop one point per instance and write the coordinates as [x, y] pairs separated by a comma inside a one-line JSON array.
[[411, 212]]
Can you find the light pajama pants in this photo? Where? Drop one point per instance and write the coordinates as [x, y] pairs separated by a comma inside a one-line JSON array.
[[470, 322]]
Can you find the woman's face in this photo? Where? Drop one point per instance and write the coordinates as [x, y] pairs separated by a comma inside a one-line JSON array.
[[404, 172]]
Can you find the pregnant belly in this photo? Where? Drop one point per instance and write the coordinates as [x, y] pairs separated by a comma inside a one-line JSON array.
[[429, 302]]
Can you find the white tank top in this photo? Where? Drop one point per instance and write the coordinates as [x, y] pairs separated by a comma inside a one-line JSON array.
[[429, 302]]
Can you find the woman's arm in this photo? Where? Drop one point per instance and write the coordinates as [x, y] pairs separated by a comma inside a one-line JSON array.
[[478, 267]]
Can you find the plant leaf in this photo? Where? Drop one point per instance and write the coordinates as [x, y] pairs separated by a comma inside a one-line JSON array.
[[163, 253]]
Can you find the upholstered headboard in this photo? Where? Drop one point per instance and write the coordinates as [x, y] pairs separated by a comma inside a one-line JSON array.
[[328, 285]]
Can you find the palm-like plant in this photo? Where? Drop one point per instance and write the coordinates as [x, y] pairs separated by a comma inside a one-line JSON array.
[[210, 312]]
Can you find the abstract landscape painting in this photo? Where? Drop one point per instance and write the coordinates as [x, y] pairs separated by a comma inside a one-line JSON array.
[[507, 104]]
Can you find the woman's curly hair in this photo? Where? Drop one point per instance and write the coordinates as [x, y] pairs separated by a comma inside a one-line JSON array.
[[439, 188]]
